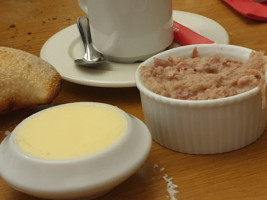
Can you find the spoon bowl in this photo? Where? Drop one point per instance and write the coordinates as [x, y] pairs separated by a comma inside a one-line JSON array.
[[91, 57], [85, 62]]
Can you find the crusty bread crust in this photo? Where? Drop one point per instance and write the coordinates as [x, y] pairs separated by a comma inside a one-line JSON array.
[[25, 80]]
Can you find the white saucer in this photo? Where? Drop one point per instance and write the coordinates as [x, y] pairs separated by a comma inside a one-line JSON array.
[[61, 49]]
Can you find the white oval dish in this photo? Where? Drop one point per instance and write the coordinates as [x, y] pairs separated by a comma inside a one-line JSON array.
[[203, 126], [88, 176]]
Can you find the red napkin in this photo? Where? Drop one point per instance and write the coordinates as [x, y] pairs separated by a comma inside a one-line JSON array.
[[249, 8], [185, 36]]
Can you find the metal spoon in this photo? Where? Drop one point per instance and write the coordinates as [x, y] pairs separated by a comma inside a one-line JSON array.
[[91, 56]]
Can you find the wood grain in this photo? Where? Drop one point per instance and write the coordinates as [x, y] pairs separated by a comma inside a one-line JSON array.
[[241, 174]]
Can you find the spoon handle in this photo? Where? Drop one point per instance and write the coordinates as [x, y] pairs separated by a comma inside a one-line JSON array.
[[84, 28]]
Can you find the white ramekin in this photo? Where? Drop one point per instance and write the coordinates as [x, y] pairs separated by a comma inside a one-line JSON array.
[[203, 126]]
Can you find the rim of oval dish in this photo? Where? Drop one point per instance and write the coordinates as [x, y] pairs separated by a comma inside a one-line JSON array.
[[195, 103]]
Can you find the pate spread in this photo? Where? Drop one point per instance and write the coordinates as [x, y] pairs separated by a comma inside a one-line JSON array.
[[203, 78]]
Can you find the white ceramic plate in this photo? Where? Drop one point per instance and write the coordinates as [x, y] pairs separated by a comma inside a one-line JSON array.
[[62, 48]]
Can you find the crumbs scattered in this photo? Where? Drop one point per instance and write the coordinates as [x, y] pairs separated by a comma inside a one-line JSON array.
[[12, 26], [7, 133], [53, 18], [171, 187], [155, 166]]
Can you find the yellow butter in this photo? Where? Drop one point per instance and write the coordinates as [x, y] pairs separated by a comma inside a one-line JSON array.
[[71, 131]]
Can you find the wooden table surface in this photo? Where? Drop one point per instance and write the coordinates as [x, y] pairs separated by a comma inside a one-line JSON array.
[[241, 174]]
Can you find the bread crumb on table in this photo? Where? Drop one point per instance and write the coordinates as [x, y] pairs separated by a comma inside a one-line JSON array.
[[171, 187], [7, 133]]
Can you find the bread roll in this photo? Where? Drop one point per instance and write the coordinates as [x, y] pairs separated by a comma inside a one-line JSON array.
[[25, 80]]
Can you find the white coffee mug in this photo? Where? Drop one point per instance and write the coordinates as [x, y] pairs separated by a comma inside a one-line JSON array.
[[129, 30]]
